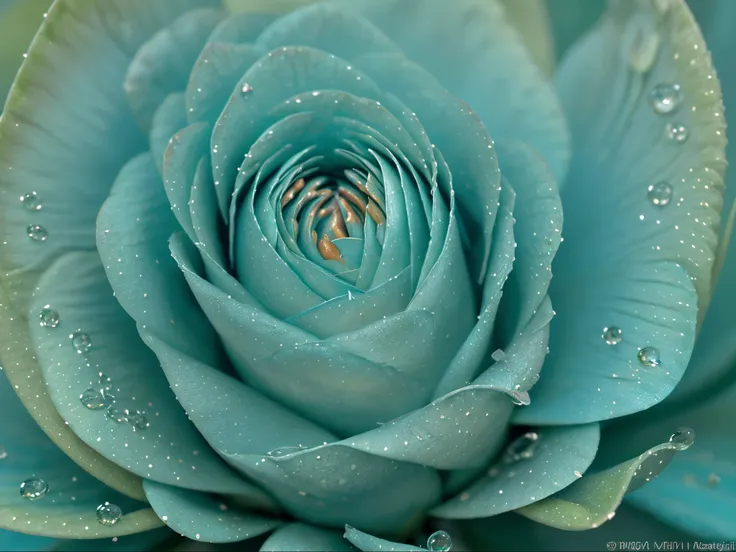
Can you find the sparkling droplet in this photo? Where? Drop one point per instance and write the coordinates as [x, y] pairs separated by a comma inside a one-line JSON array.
[[649, 356], [660, 194], [665, 98], [94, 399], [49, 317], [3, 453], [578, 474], [31, 201], [683, 438], [138, 420], [81, 342], [246, 89], [613, 335], [33, 489], [105, 382], [677, 132], [519, 398], [37, 233], [117, 415], [108, 514], [498, 355], [439, 541], [523, 447]]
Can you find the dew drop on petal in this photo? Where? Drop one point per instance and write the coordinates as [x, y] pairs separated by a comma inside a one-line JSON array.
[[683, 438], [649, 356], [31, 201], [677, 132], [108, 514], [49, 317], [138, 420], [37, 232], [665, 98], [246, 89], [81, 342], [33, 489], [94, 399], [116, 415], [613, 335], [439, 541], [523, 447], [660, 194]]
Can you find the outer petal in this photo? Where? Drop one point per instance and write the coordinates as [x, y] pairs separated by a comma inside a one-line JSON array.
[[170, 450], [42, 128], [68, 508], [298, 537], [626, 261], [364, 541]]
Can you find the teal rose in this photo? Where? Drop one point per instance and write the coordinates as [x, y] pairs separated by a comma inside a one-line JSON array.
[[284, 270]]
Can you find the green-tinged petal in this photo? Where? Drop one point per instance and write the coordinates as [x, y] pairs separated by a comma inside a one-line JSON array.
[[697, 491], [558, 457], [68, 507], [67, 94], [642, 213], [593, 499], [298, 537], [531, 18], [243, 28], [163, 445], [200, 517], [364, 541], [513, 533], [22, 370], [514, 100], [571, 19], [216, 72], [170, 118], [163, 64], [133, 230]]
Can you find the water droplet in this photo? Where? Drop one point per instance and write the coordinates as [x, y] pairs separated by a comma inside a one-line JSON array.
[[683, 438], [108, 514], [117, 415], [613, 335], [660, 194], [578, 474], [665, 98], [246, 89], [138, 420], [33, 489], [498, 355], [643, 49], [31, 201], [94, 399], [3, 453], [677, 132], [49, 317], [81, 342], [649, 356], [523, 447], [37, 233], [519, 398], [439, 541], [105, 382]]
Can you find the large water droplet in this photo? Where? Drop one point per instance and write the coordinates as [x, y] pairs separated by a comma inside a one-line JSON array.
[[108, 514], [138, 420], [246, 89], [49, 317], [439, 541], [613, 335], [37, 232], [81, 342], [677, 132], [94, 399], [665, 98], [117, 415], [649, 356], [31, 201], [33, 489], [683, 438], [522, 448], [660, 194]]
